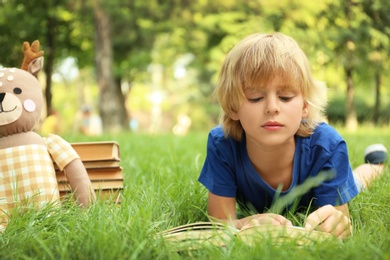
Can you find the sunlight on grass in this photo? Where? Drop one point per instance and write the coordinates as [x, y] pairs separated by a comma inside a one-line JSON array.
[[161, 191]]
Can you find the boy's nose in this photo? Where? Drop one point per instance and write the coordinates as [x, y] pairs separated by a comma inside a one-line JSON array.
[[273, 111], [272, 108]]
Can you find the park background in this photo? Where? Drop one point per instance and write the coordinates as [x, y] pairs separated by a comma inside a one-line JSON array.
[[149, 66], [139, 65]]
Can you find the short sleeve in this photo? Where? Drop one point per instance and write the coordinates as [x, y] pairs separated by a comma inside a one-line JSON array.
[[342, 188], [217, 174], [60, 150]]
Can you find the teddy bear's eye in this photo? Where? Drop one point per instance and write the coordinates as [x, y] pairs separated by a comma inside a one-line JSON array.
[[17, 90]]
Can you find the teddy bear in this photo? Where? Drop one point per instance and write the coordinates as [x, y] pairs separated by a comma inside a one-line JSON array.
[[26, 158]]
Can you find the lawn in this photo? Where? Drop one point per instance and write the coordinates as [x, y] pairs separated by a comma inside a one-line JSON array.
[[161, 191]]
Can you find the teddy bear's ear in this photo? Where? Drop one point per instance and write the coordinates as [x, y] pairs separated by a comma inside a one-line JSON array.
[[35, 66]]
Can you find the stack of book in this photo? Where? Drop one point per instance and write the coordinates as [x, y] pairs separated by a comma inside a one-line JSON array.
[[102, 162]]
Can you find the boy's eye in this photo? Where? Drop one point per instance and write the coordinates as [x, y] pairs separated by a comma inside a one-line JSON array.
[[283, 98], [254, 100]]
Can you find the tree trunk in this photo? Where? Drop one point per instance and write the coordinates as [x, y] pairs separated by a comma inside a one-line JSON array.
[[351, 117], [125, 119], [377, 107], [49, 60], [351, 121], [111, 104]]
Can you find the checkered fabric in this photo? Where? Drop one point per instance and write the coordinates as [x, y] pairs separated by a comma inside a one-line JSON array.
[[28, 172], [60, 150]]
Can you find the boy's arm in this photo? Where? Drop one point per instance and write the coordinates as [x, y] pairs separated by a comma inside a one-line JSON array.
[[223, 209], [331, 219]]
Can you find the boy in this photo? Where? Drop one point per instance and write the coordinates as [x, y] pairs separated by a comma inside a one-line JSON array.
[[272, 139]]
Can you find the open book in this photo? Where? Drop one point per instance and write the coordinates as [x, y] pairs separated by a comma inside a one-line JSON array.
[[195, 235]]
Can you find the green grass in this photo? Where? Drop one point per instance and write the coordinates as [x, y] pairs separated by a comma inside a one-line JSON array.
[[161, 191]]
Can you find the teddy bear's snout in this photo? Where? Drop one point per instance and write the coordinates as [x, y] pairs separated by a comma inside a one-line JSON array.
[[10, 104]]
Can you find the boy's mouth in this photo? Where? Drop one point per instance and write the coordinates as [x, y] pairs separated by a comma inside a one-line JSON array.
[[272, 125]]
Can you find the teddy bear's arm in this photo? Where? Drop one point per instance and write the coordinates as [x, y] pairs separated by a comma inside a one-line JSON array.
[[69, 161], [80, 183], [31, 52]]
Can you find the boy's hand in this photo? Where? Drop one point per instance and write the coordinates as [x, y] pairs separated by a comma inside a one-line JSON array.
[[331, 220], [266, 218]]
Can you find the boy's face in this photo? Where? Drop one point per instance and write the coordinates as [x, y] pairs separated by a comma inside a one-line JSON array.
[[271, 116]]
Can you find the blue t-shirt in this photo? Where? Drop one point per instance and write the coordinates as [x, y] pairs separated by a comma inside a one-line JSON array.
[[228, 171]]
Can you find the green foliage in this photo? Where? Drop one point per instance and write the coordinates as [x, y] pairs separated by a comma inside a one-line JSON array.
[[161, 191], [365, 111], [46, 21], [333, 34]]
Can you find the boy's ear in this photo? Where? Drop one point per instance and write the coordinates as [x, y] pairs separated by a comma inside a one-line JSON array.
[[234, 116], [305, 110]]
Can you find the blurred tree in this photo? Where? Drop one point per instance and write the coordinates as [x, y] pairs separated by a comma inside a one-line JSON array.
[[379, 44], [111, 104], [357, 33], [125, 37], [129, 36], [344, 37], [52, 22]]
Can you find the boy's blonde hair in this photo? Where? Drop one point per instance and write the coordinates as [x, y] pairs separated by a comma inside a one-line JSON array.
[[255, 61]]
